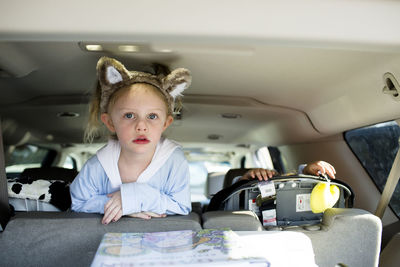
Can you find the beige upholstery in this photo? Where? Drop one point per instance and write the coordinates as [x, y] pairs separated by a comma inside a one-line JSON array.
[[390, 256], [243, 220], [71, 239], [215, 181], [348, 236]]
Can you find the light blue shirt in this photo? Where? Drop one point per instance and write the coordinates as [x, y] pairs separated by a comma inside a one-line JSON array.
[[166, 192]]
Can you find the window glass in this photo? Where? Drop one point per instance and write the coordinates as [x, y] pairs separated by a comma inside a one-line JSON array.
[[376, 147], [263, 158], [26, 156], [198, 177], [69, 163]]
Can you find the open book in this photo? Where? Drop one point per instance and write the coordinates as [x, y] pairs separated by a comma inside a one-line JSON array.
[[210, 247]]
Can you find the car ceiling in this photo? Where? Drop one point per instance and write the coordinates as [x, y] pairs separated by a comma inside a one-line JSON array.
[[292, 73]]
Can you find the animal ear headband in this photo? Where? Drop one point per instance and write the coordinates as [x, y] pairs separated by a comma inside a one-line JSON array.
[[113, 75]]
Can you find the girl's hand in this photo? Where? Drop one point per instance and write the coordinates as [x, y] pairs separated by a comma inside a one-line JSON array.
[[147, 215], [320, 167], [260, 173], [113, 208]]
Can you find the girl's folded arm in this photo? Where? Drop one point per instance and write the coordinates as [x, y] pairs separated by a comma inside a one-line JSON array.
[[87, 194], [137, 197]]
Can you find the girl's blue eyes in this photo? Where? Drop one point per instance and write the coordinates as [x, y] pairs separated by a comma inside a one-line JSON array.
[[132, 116], [129, 115], [152, 116]]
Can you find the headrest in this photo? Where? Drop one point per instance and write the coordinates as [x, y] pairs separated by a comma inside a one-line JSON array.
[[49, 173]]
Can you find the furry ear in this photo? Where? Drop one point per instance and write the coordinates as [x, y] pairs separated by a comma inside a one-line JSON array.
[[177, 81], [111, 71], [112, 75]]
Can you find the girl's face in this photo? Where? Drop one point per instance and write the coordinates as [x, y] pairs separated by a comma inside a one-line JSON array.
[[138, 117]]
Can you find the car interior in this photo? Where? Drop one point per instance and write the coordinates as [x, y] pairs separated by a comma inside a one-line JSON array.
[[274, 85]]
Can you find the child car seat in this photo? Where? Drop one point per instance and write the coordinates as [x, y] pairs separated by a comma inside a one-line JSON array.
[[289, 205]]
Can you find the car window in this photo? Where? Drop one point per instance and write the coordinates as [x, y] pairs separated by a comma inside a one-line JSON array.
[[376, 147], [263, 159], [69, 163], [198, 177], [26, 156]]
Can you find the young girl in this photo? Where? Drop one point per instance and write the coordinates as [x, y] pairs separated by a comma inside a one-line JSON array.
[[138, 173]]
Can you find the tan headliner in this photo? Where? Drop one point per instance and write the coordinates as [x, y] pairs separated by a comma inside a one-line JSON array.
[[305, 73]]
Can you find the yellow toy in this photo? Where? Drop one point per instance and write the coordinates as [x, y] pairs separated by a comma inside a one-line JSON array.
[[323, 196]]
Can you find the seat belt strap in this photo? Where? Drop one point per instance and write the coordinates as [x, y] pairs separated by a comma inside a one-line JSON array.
[[4, 205], [390, 185]]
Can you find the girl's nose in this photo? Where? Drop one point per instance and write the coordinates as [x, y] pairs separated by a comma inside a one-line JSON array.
[[141, 126]]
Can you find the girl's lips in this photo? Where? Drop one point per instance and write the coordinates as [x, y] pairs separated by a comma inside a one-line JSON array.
[[141, 141]]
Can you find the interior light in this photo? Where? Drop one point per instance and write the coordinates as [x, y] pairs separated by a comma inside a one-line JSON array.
[[165, 50], [94, 47], [128, 48]]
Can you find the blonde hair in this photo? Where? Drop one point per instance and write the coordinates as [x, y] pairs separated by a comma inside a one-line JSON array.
[[95, 127], [114, 78]]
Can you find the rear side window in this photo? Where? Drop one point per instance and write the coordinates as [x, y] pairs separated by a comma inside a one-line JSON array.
[[376, 147], [198, 177], [26, 156], [69, 163]]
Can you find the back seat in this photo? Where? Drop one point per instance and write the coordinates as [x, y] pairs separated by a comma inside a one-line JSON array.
[[70, 238], [214, 183], [50, 173], [348, 236]]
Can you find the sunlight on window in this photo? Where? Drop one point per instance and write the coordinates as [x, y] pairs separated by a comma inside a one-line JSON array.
[[69, 163], [199, 171]]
